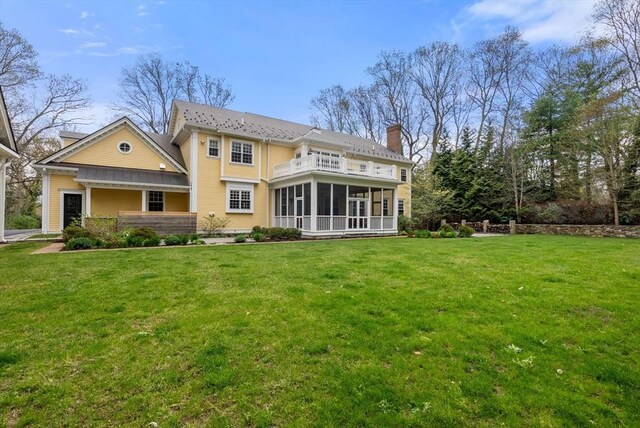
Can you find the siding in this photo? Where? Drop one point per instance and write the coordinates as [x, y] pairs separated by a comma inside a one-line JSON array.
[[107, 202], [58, 183], [105, 152], [176, 202]]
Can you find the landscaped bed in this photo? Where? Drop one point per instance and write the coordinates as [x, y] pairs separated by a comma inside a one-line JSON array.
[[525, 330]]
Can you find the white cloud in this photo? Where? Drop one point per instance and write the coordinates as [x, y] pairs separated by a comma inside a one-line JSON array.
[[93, 45], [142, 10], [128, 50], [538, 20], [84, 14], [69, 31]]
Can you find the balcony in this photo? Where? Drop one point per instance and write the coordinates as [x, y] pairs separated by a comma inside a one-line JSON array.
[[339, 165]]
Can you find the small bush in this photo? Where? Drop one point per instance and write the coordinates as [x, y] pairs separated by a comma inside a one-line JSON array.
[[143, 232], [23, 221], [212, 225], [259, 229], [134, 241], [80, 243], [405, 223], [172, 240], [435, 234], [446, 228], [240, 239], [72, 231], [154, 241], [275, 233], [465, 231], [194, 238], [423, 234], [103, 227], [257, 236], [292, 233]]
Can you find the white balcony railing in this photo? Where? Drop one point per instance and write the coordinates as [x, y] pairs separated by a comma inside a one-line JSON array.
[[317, 162]]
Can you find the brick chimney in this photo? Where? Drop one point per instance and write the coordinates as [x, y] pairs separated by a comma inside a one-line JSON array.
[[394, 138]]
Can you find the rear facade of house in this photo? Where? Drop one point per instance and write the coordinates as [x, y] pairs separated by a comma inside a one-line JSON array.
[[252, 169]]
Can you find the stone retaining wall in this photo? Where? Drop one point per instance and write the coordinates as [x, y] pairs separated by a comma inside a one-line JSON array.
[[599, 230]]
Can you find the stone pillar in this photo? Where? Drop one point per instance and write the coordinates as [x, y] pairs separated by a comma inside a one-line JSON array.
[[463, 222], [512, 227], [485, 226], [443, 222]]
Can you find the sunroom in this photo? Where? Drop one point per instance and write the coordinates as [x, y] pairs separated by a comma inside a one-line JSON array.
[[323, 207]]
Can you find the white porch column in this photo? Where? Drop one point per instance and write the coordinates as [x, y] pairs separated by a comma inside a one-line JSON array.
[[3, 182], [395, 208], [314, 204], [87, 202], [144, 200], [46, 194], [193, 166]]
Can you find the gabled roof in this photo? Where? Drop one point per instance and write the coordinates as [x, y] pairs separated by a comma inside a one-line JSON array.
[[159, 143], [256, 126], [7, 140]]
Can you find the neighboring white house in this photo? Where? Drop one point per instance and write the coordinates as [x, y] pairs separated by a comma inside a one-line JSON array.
[[8, 151]]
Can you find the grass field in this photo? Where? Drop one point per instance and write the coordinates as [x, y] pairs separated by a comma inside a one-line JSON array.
[[525, 330]]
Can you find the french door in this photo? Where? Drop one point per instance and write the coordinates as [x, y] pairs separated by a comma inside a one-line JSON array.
[[358, 213], [71, 208]]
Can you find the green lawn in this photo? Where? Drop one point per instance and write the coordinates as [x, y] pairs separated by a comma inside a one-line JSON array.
[[525, 330]]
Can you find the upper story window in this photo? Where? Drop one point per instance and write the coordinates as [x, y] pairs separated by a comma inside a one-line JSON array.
[[403, 174], [242, 153], [124, 147], [155, 201], [214, 148], [400, 206]]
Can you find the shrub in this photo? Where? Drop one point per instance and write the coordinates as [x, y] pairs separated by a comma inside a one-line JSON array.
[[23, 221], [257, 236], [435, 235], [240, 239], [134, 241], [184, 239], [465, 231], [172, 240], [104, 227], [446, 228], [552, 214], [423, 234], [79, 243], [212, 225], [292, 233], [142, 232], [405, 223], [259, 229], [73, 231], [154, 241], [194, 238], [275, 233]]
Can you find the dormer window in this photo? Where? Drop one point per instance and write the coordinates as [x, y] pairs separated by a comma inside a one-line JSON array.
[[124, 147]]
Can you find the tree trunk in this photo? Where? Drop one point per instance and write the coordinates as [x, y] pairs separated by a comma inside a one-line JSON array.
[[616, 214]]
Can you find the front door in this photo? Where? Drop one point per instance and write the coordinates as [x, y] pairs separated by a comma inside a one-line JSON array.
[[72, 208], [358, 213]]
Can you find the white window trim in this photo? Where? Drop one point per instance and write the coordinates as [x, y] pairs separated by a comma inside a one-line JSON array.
[[211, 139], [74, 192], [253, 152], [406, 175], [164, 199], [130, 147], [242, 187], [404, 208]]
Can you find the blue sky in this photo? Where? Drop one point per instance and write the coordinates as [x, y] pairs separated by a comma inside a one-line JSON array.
[[276, 55]]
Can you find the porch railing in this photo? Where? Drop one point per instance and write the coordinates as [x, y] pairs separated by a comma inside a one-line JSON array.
[[317, 162], [327, 223]]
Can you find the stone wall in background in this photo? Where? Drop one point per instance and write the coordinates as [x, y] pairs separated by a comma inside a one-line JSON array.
[[600, 230]]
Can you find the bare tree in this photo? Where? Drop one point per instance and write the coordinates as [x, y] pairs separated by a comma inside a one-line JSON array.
[[400, 102], [621, 19], [333, 110], [365, 112], [149, 86], [38, 106], [437, 71]]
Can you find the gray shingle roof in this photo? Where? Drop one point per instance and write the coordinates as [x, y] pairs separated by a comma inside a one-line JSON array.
[[131, 176], [72, 135], [262, 127]]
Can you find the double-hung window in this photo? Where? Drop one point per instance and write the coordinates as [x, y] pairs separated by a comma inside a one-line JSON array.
[[242, 153], [214, 148], [239, 198], [403, 175], [400, 206], [155, 201]]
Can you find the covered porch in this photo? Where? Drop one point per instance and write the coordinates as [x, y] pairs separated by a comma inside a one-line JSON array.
[[321, 206]]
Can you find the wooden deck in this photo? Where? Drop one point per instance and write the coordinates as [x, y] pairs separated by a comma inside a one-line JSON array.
[[164, 223]]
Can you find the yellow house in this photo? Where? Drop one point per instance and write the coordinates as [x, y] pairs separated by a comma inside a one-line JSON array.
[[253, 169], [8, 151]]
